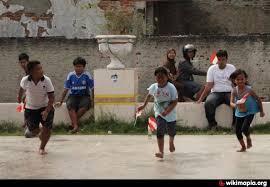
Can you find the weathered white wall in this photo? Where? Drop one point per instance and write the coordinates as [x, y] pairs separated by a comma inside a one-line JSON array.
[[8, 113], [188, 114], [65, 18], [82, 18]]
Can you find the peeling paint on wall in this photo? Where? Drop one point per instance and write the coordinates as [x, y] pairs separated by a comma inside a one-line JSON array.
[[67, 18]]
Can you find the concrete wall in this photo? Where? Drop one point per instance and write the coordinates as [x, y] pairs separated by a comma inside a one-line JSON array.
[[188, 114], [212, 16], [251, 53], [8, 113], [83, 18], [65, 18]]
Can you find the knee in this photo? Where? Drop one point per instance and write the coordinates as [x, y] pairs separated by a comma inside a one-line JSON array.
[[172, 134], [160, 133], [239, 134], [28, 134], [209, 107], [31, 134], [246, 132], [171, 129], [160, 136], [46, 130], [209, 104]]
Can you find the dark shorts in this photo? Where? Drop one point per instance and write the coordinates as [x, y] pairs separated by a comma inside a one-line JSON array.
[[163, 126], [33, 118], [77, 102]]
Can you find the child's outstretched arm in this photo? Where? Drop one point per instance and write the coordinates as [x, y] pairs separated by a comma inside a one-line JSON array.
[[146, 100], [258, 99], [58, 104], [169, 108], [232, 104], [206, 91]]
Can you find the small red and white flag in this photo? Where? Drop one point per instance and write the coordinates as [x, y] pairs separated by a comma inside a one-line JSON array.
[[213, 58], [243, 100], [152, 124], [20, 107]]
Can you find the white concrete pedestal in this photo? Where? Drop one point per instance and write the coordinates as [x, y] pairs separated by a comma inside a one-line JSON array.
[[115, 93]]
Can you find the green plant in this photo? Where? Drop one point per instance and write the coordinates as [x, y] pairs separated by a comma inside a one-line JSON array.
[[102, 126]]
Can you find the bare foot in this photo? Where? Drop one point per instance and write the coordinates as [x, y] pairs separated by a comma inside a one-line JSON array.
[[42, 152], [242, 150], [249, 143], [75, 130], [70, 127], [159, 155], [172, 148]]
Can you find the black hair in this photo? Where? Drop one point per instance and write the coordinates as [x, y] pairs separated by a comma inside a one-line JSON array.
[[222, 53], [236, 73], [23, 56], [31, 65], [239, 72], [79, 60], [161, 70]]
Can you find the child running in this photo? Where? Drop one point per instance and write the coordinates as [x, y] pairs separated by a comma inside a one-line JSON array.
[[165, 100], [39, 93], [247, 104]]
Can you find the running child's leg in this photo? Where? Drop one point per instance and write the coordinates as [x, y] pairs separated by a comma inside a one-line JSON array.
[[246, 129], [161, 128], [32, 120], [171, 133], [45, 131], [238, 130], [44, 137]]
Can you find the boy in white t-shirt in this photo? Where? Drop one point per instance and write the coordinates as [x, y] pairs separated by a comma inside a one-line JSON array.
[[165, 100], [39, 93], [218, 82]]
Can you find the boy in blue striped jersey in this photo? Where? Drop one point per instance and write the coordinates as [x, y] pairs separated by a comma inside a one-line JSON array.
[[79, 84]]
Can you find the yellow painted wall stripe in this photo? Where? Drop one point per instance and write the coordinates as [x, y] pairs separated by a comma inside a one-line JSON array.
[[116, 103], [115, 96]]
